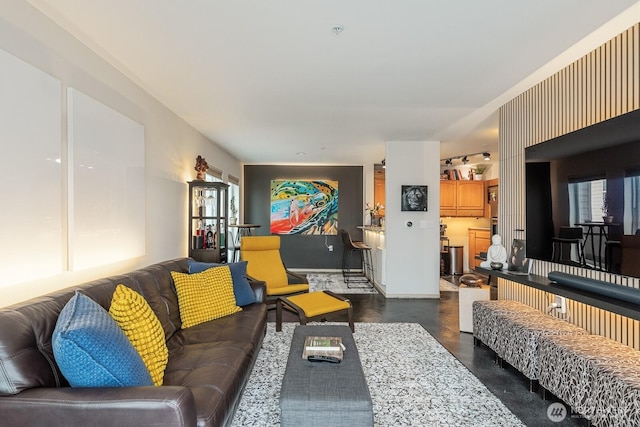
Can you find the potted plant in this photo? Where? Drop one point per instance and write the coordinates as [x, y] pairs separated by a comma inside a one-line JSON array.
[[478, 171], [374, 213], [234, 211], [605, 210]]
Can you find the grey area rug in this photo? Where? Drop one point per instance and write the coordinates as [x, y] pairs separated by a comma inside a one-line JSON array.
[[334, 282], [413, 381]]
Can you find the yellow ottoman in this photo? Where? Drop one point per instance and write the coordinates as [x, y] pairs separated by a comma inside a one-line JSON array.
[[312, 305]]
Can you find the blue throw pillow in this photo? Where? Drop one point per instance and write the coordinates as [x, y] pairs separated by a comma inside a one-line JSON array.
[[91, 349], [241, 288]]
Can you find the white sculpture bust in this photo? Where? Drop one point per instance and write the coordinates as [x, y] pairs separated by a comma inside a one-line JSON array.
[[495, 253]]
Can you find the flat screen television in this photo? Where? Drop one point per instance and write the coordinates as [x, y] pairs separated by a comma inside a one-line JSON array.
[[587, 181]]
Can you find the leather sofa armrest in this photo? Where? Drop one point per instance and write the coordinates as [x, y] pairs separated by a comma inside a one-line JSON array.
[[158, 406], [259, 288]]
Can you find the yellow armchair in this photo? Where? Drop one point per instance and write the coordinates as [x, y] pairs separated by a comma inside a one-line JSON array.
[[262, 254]]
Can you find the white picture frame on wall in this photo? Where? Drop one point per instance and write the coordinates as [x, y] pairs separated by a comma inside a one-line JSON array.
[[106, 182], [31, 229]]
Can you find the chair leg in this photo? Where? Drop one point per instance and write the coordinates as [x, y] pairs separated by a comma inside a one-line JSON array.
[[361, 277], [371, 271], [278, 315], [345, 265]]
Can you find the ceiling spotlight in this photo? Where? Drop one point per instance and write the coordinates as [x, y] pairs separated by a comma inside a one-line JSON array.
[[447, 162], [486, 156], [337, 29], [384, 163], [465, 160]]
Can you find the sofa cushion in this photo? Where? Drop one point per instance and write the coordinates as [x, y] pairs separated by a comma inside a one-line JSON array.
[[205, 296], [142, 327], [241, 288], [91, 349]]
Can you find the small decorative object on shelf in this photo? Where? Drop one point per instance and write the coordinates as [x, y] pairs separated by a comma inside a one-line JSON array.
[[496, 254], [201, 168], [478, 171], [496, 265]]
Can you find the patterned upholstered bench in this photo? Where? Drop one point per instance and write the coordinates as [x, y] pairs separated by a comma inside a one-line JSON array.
[[512, 330], [598, 377], [487, 323], [519, 342]]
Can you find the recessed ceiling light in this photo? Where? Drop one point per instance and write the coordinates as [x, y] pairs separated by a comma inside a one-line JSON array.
[[301, 153], [337, 29]]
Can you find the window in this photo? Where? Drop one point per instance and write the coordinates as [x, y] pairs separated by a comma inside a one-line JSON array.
[[631, 223], [213, 175], [234, 195], [586, 199]]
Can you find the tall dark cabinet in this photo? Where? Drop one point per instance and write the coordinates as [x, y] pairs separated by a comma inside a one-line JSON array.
[[208, 207]]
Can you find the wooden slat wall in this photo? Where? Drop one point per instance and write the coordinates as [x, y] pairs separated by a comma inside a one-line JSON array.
[[594, 320], [601, 85]]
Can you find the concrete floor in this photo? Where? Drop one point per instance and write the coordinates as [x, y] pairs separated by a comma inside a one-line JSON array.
[[440, 318]]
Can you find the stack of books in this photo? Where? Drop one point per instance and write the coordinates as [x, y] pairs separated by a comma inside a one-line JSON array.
[[331, 347]]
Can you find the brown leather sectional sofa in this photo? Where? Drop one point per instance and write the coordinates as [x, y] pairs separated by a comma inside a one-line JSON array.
[[208, 367]]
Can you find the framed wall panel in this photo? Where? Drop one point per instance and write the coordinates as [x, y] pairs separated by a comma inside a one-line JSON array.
[[30, 178], [107, 184]]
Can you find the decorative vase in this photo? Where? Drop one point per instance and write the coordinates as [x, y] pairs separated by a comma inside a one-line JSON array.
[[233, 220], [477, 177], [373, 219], [608, 219], [367, 220]]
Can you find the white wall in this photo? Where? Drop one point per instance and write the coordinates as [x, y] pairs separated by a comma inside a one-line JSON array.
[[413, 254], [171, 145]]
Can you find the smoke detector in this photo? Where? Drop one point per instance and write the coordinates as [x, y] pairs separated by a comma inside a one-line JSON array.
[[337, 29]]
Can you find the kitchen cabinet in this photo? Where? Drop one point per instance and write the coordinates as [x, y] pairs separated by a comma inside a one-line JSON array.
[[448, 203], [462, 198], [479, 241]]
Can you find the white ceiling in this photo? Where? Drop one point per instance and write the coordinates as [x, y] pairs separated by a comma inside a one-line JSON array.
[[269, 79]]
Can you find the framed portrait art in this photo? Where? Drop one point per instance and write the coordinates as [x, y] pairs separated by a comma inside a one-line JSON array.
[[414, 198]]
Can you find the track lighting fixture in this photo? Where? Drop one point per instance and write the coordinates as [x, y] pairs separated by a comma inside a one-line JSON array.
[[465, 158]]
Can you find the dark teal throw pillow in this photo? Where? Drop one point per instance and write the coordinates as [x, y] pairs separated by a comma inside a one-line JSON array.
[[241, 288]]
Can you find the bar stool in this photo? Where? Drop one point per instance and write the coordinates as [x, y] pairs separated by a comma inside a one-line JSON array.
[[571, 236], [366, 260]]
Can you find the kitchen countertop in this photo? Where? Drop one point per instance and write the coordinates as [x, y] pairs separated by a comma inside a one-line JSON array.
[[375, 228]]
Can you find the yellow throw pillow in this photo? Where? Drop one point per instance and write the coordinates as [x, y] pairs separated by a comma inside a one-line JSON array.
[[141, 325], [205, 296]]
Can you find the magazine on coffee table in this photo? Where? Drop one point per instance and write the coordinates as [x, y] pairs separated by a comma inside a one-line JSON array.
[[323, 346]]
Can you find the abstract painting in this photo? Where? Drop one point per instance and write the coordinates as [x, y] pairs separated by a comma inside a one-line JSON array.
[[304, 207]]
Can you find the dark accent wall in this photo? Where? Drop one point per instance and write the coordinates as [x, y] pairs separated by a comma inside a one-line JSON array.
[[302, 251]]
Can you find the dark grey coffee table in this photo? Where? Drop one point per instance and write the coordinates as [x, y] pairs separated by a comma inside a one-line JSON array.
[[320, 393]]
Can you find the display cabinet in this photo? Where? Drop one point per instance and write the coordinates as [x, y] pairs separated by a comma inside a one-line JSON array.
[[208, 207]]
